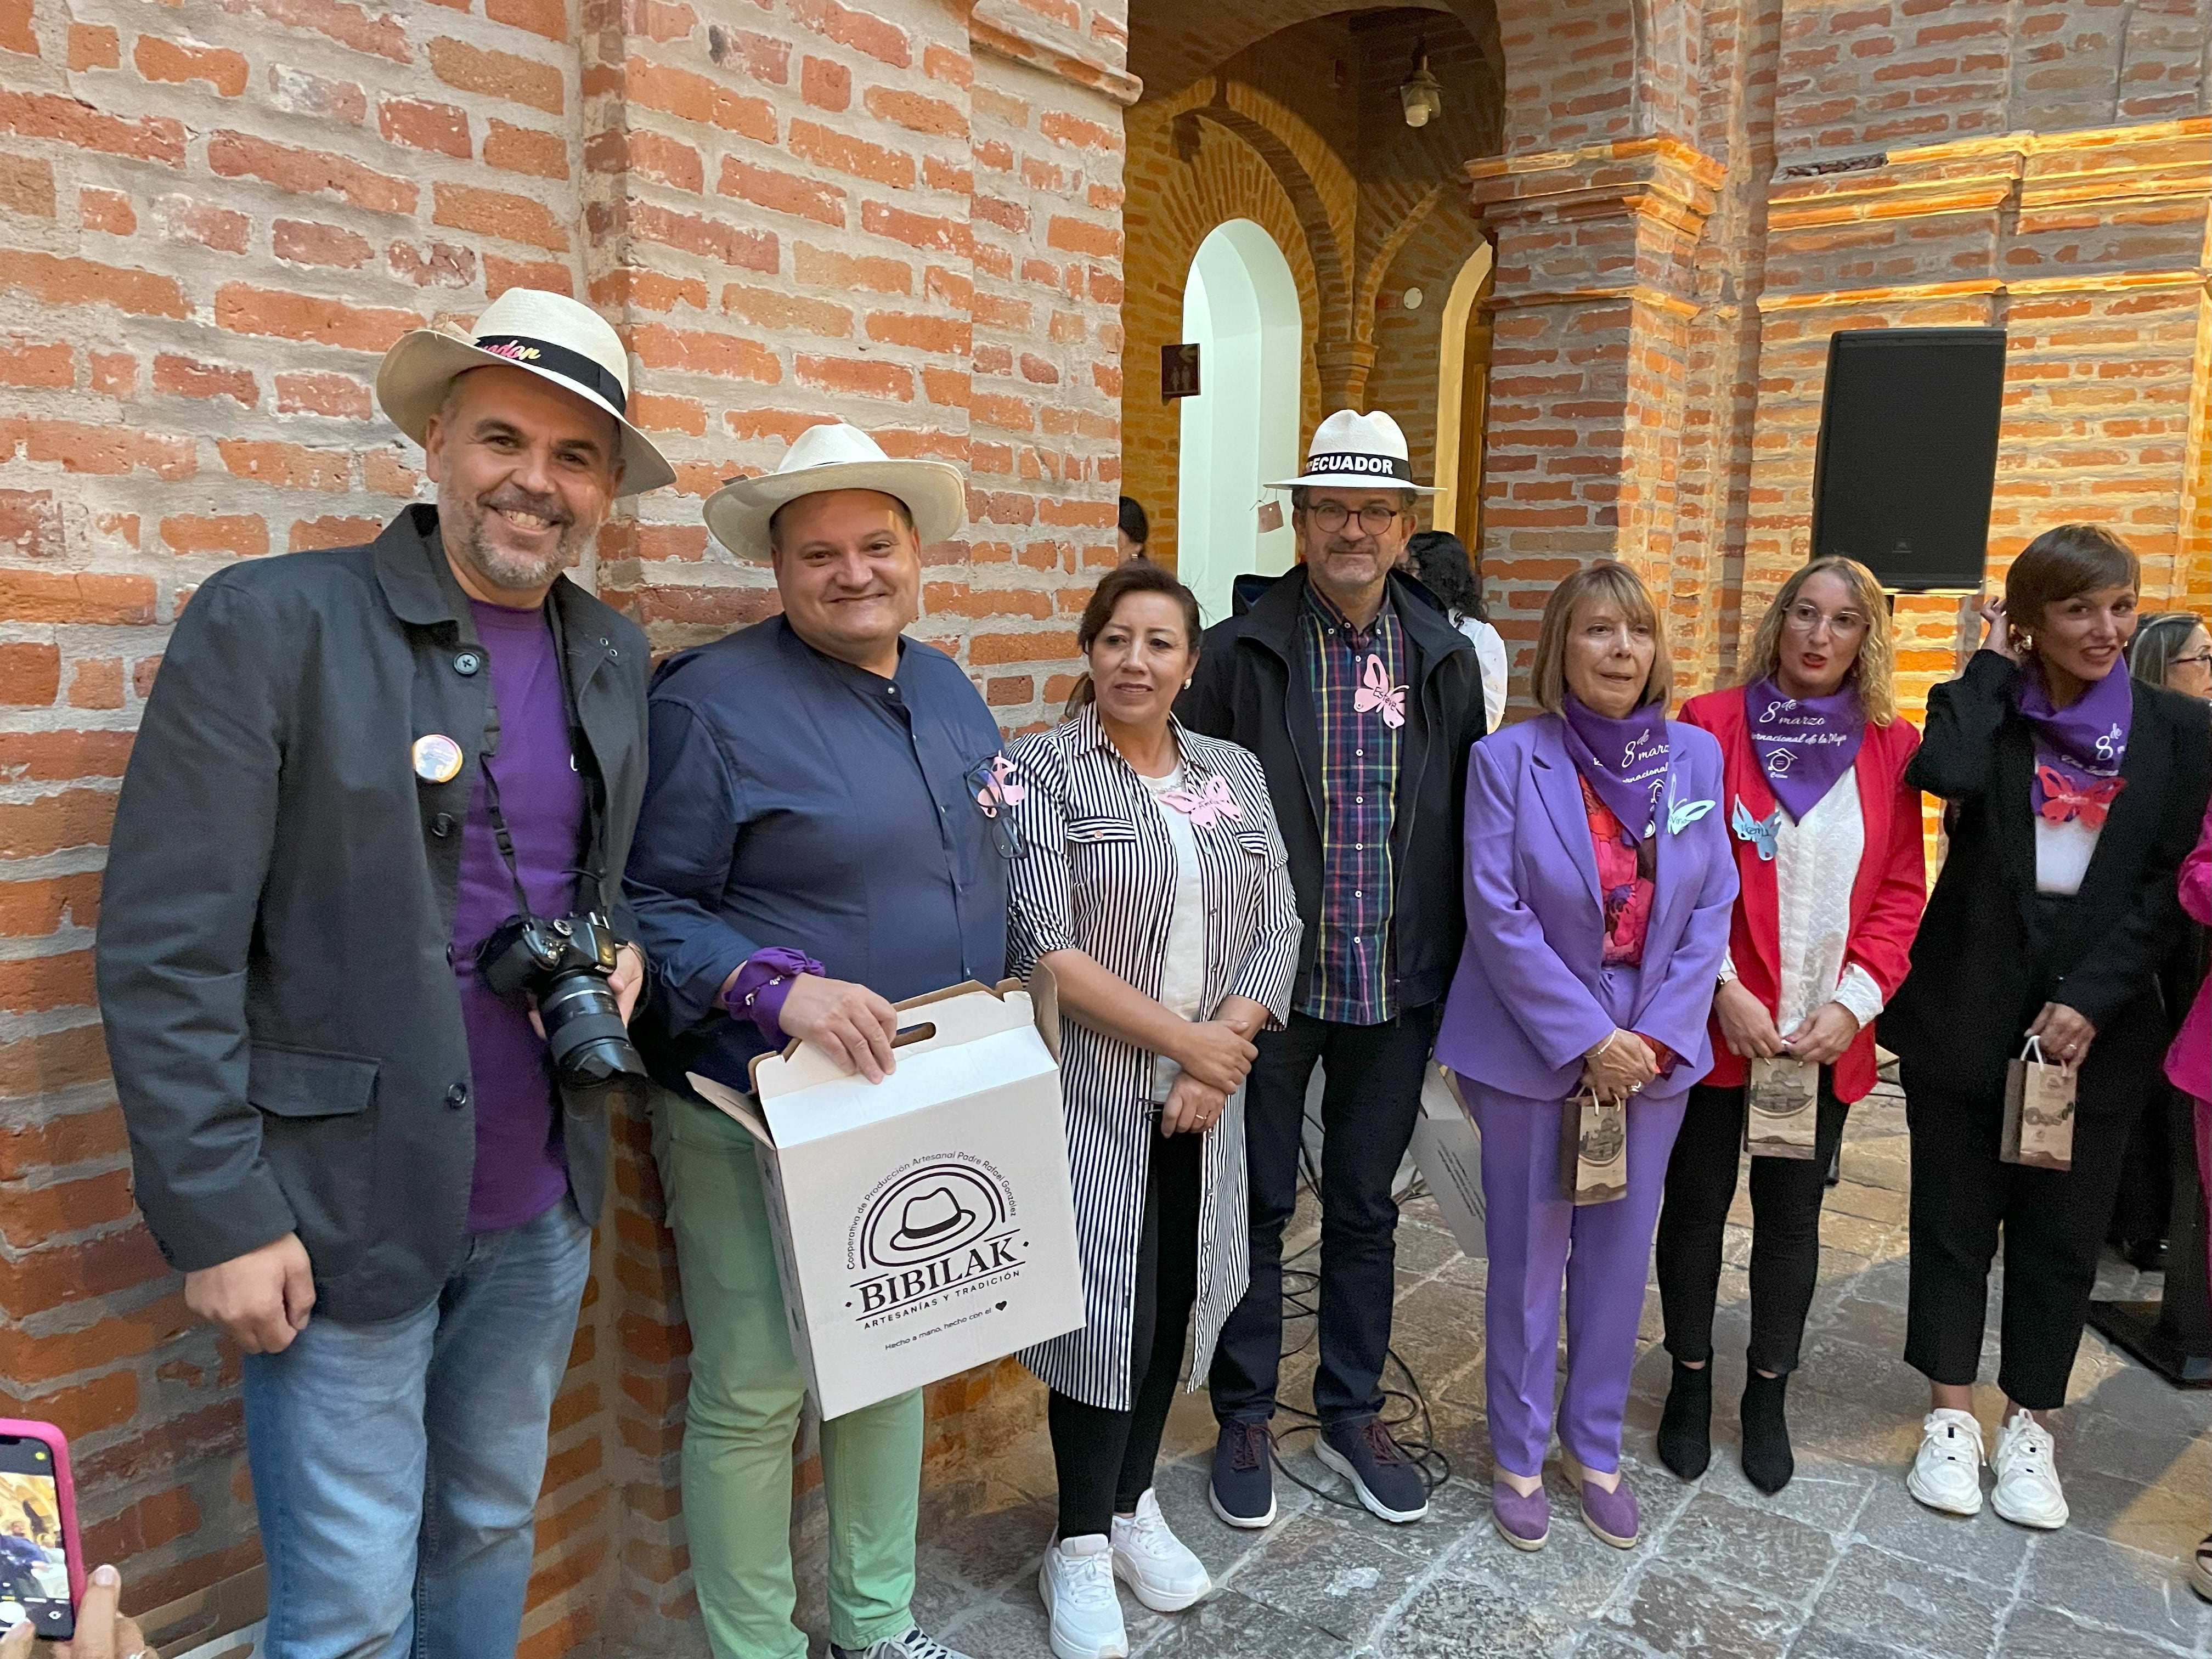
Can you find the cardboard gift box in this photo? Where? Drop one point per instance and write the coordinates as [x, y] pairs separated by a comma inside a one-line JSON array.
[[924, 1225], [1447, 1151]]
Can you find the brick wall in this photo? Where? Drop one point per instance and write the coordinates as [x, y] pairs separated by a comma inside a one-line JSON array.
[[214, 214]]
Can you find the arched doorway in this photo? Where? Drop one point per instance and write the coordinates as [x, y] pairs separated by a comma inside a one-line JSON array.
[[1462, 400], [1240, 305]]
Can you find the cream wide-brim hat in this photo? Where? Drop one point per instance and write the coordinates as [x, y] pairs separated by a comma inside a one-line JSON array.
[[836, 456], [548, 335], [1352, 450]]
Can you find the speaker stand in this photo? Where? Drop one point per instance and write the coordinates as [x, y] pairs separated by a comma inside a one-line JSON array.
[[2172, 1335]]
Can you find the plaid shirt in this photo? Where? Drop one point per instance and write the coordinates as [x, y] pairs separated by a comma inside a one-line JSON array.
[[1359, 749]]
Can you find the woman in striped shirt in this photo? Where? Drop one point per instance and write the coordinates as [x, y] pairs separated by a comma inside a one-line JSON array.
[[1155, 886]]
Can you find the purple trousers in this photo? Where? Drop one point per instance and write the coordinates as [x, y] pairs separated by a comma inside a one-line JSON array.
[[1602, 1252]]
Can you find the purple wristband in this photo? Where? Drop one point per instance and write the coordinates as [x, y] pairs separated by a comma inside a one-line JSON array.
[[758, 991]]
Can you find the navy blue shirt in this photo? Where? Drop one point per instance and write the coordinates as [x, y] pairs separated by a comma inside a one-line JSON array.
[[796, 801]]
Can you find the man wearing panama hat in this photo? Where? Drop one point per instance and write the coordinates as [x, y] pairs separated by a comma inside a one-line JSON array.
[[355, 766], [1361, 701], [788, 885]]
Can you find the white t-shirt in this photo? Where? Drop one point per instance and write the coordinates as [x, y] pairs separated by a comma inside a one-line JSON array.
[[1490, 652], [1182, 975], [2063, 852]]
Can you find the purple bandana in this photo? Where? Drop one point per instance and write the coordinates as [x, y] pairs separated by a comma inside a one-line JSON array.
[[1803, 745], [1624, 760], [2079, 747]]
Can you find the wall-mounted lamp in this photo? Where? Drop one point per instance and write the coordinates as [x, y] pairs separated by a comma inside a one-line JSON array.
[[1422, 94]]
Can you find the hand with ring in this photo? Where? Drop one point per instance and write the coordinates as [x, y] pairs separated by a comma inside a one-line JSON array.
[[1191, 1109], [2062, 1033]]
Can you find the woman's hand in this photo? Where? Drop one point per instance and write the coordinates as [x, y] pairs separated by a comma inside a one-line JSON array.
[[1827, 1031], [1746, 1026], [2065, 1035], [1997, 629], [1619, 1066], [1192, 1109], [1213, 1052], [102, 1632]]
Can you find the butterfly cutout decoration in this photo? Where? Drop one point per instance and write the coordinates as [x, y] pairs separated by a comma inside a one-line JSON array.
[[1375, 691], [1767, 832], [1206, 805], [997, 787], [2063, 799], [1684, 813]]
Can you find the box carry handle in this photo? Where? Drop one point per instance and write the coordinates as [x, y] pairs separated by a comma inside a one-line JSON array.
[[922, 1033]]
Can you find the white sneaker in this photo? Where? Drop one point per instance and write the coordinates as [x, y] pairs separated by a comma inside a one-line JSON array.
[[2026, 1463], [1076, 1580], [1947, 1471], [1159, 1566]]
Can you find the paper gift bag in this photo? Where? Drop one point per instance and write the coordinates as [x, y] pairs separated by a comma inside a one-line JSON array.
[[1784, 1114], [2039, 1120], [1593, 1149]]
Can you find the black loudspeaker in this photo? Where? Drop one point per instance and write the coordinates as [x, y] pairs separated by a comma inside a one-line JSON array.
[[1908, 452]]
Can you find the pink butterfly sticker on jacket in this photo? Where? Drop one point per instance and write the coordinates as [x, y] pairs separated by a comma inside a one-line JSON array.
[[998, 786], [1206, 806], [1375, 691]]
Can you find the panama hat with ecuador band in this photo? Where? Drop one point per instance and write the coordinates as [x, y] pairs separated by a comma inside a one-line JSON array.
[[548, 335], [1352, 450], [836, 456]]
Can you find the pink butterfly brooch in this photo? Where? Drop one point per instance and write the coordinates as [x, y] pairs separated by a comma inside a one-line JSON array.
[[1206, 806], [996, 785], [1375, 691]]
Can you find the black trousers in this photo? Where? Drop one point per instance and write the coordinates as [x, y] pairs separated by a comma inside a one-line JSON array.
[[1369, 1103], [1785, 1228], [2053, 1223], [1104, 1458]]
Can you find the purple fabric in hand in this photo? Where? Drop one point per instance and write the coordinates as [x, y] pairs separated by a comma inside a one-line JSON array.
[[757, 992]]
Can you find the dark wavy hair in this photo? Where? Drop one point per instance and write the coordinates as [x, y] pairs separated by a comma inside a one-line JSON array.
[[1440, 562], [1134, 576]]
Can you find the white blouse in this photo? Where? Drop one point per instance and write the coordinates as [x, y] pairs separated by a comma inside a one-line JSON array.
[[1182, 975], [2063, 852], [1816, 863]]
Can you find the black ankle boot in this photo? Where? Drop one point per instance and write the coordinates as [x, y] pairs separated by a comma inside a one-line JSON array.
[[1767, 1462], [1685, 1427]]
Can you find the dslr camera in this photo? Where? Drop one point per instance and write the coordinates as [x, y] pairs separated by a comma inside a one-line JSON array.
[[565, 965]]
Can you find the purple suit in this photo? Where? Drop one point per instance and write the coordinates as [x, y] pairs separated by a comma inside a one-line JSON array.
[[1530, 997]]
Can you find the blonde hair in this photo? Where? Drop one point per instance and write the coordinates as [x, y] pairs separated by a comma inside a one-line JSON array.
[[1874, 670], [1608, 579]]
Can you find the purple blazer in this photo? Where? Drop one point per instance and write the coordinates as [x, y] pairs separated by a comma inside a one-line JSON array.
[[1530, 997]]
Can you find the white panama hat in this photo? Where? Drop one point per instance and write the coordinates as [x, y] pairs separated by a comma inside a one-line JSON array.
[[836, 456], [1350, 451], [550, 335]]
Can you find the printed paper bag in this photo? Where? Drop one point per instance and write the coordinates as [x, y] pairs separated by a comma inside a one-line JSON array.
[[1593, 1149], [1783, 1119], [2039, 1120]]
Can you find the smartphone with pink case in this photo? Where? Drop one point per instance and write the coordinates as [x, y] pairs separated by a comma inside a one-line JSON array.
[[41, 1563]]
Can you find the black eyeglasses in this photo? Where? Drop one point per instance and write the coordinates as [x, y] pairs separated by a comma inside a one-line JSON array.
[[1331, 516], [991, 786]]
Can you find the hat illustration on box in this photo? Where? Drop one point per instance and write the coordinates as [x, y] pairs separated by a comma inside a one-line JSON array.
[[929, 1217], [551, 336]]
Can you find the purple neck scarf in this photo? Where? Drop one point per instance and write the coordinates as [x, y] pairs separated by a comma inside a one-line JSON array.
[[2079, 747], [1803, 744], [1624, 760]]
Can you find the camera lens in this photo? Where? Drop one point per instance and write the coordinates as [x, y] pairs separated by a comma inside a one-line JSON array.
[[584, 1029]]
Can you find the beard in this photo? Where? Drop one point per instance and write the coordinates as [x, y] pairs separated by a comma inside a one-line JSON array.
[[469, 533]]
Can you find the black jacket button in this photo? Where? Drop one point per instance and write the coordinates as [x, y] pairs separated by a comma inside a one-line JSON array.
[[467, 662], [458, 1095], [442, 825]]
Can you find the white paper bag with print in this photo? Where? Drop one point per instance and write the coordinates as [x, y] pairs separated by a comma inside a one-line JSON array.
[[1782, 1118], [1593, 1149]]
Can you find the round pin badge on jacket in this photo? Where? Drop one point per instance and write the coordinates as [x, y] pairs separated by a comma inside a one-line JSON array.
[[437, 758]]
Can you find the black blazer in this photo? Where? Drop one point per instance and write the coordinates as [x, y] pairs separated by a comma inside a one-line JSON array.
[[1241, 691], [281, 1008], [1979, 972]]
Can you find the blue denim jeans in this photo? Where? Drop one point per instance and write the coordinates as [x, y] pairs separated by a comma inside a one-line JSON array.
[[396, 1464]]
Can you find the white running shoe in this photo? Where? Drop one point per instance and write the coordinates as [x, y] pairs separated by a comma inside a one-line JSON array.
[[1076, 1580], [1947, 1471], [1159, 1566], [2027, 1464]]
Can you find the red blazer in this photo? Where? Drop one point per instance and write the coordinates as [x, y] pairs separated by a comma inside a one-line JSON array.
[[1888, 895]]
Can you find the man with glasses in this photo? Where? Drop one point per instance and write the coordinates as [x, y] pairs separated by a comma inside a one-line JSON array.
[[822, 837], [1361, 701]]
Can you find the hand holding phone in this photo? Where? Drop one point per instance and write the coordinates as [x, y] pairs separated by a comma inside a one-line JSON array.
[[41, 1570], [103, 1632]]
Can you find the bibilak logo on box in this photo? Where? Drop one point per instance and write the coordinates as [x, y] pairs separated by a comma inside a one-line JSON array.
[[929, 1229]]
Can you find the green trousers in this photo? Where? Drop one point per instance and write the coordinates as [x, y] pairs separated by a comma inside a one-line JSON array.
[[741, 1420]]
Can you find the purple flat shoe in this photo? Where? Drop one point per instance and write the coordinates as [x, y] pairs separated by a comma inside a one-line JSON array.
[[1610, 1515], [1524, 1521]]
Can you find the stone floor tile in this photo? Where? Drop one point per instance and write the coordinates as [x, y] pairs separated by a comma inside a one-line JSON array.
[[1677, 1611], [1227, 1623], [1719, 1539], [2046, 1632], [1337, 1578], [2111, 1585], [1981, 1547], [1884, 1597], [1478, 1615]]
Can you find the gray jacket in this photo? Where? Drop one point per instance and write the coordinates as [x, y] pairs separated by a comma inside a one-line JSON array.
[[274, 962]]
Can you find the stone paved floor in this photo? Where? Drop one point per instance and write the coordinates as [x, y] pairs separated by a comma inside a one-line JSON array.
[[1842, 1565]]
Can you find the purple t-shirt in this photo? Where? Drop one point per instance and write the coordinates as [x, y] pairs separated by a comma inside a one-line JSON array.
[[521, 1170]]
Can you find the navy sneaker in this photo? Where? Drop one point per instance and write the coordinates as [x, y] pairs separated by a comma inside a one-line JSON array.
[[1243, 1490], [1364, 1453]]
